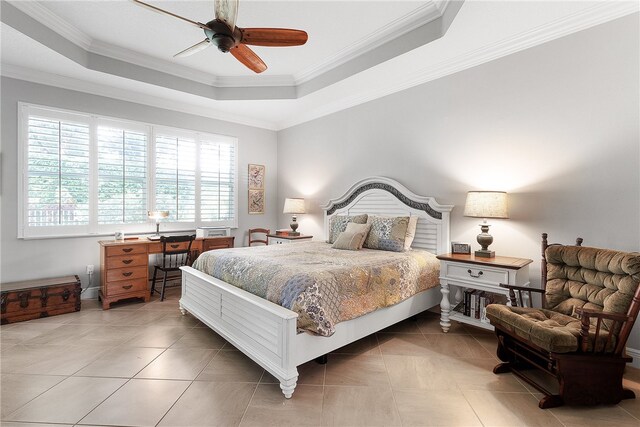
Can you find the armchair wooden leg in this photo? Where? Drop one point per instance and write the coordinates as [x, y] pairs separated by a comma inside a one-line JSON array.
[[550, 401], [628, 394], [502, 368]]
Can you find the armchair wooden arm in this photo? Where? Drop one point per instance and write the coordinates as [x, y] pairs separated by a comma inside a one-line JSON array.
[[585, 318], [520, 290]]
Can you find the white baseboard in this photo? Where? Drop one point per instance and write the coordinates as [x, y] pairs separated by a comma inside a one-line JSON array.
[[635, 353]]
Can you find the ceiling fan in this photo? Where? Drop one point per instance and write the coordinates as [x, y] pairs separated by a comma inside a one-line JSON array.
[[223, 33]]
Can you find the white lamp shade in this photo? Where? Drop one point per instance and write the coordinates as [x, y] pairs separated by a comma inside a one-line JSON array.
[[157, 215], [486, 204], [293, 206]]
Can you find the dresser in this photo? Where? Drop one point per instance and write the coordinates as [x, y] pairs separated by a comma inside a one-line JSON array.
[[124, 265]]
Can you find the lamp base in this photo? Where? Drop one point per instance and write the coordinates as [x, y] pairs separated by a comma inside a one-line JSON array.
[[294, 227], [485, 254]]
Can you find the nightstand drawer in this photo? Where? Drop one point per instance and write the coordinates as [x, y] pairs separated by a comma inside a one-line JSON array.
[[476, 273]]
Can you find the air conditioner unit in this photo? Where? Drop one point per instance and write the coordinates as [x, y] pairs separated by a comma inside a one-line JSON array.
[[213, 231]]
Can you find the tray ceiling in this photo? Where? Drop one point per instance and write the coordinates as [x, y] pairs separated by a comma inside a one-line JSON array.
[[117, 49]]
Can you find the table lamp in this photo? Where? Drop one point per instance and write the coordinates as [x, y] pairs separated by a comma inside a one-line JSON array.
[[158, 215], [486, 204], [294, 207]]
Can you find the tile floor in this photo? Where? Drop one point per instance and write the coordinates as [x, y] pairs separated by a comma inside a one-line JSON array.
[[145, 364]]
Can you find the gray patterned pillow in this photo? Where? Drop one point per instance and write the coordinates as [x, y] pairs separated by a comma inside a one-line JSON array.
[[388, 233], [338, 223]]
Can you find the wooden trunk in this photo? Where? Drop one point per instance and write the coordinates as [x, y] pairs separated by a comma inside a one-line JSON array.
[[33, 299]]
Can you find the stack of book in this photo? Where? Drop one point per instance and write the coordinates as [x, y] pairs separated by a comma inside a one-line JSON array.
[[283, 232], [475, 302]]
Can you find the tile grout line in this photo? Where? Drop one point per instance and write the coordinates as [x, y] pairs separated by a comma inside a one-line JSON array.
[[251, 399], [386, 370]]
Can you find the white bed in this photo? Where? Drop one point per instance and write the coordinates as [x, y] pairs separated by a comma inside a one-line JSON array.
[[267, 333]]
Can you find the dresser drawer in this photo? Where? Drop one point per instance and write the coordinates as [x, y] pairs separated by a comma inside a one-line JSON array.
[[211, 244], [125, 250], [126, 273], [127, 261], [476, 273], [125, 286], [156, 248]]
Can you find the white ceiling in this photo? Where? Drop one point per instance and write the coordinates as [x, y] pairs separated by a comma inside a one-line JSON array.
[[481, 31], [330, 26]]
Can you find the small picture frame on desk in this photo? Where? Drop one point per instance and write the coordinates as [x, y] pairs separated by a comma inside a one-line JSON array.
[[460, 248]]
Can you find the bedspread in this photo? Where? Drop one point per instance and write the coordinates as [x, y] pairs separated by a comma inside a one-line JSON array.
[[324, 286]]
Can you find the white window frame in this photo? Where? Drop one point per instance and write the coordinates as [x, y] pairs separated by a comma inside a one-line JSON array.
[[93, 228]]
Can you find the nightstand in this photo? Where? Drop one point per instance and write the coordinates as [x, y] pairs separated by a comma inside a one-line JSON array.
[[479, 275], [279, 239]]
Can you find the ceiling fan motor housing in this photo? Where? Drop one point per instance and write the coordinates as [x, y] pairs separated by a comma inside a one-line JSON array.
[[222, 36]]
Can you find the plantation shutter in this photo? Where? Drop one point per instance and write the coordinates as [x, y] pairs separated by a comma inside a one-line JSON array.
[[57, 173], [122, 176], [217, 181], [175, 162]]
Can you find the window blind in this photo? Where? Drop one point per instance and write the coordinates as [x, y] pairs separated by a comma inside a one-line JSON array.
[[57, 173], [176, 177], [122, 176], [217, 187], [85, 174]]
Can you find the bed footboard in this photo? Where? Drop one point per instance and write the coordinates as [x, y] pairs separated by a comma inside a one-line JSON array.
[[262, 330]]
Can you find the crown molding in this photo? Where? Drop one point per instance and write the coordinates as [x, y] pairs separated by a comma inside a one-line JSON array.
[[54, 22], [70, 83], [137, 58], [420, 16], [587, 18]]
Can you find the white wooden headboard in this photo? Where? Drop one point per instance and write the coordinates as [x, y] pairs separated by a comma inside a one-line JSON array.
[[385, 196]]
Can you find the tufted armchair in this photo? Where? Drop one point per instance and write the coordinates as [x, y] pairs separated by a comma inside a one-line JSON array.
[[590, 300]]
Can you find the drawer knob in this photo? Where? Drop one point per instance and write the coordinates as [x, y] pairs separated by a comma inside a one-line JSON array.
[[474, 275], [127, 250], [175, 245], [127, 287], [127, 261], [127, 274]]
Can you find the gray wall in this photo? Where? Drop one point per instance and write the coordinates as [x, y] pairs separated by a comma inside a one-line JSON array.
[[557, 126], [29, 259]]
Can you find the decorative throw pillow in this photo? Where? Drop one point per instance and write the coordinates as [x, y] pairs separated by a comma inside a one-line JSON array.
[[338, 223], [348, 241], [388, 233], [411, 232], [363, 229]]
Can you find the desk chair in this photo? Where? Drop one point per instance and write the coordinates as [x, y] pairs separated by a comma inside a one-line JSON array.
[[176, 252], [264, 231]]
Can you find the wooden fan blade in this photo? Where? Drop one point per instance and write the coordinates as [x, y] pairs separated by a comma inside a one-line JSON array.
[[249, 58], [193, 49], [273, 37], [157, 9]]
